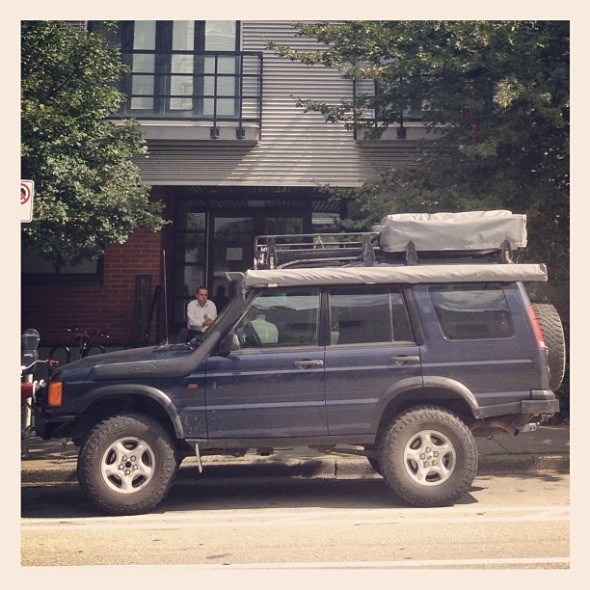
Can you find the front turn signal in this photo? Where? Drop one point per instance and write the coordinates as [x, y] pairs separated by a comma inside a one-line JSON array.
[[55, 391]]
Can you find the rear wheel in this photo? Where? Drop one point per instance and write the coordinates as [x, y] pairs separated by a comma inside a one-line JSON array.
[[96, 349], [428, 457], [59, 355], [127, 464]]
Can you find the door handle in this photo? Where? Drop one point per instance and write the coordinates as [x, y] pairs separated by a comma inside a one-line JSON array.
[[309, 363], [405, 359]]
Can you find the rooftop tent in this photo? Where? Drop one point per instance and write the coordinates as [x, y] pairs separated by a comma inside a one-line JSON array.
[[469, 230]]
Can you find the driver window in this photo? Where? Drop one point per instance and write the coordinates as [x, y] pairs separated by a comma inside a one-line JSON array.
[[285, 317]]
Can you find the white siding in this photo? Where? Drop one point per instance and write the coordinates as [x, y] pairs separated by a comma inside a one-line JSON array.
[[295, 148]]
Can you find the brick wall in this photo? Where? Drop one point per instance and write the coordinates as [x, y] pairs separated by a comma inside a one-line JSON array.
[[109, 305]]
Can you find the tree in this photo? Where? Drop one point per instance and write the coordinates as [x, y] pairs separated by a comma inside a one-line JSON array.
[[495, 97], [87, 187]]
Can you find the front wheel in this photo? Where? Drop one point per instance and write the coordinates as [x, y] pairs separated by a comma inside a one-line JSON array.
[[373, 459], [126, 464], [428, 457]]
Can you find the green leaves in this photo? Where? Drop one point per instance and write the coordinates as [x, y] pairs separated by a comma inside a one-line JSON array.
[[86, 182], [500, 91]]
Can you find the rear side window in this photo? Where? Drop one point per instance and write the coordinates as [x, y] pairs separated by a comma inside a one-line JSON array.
[[469, 312], [367, 313]]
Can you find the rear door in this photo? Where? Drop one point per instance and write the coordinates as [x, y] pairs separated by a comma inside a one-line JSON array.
[[372, 348], [478, 335], [273, 386]]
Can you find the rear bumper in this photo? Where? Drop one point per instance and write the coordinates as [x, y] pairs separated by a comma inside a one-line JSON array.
[[525, 408]]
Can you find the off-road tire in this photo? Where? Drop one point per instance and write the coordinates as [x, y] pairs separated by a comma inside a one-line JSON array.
[[554, 337], [373, 459], [126, 464], [428, 456]]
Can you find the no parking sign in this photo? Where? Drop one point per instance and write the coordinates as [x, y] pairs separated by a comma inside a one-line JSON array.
[[27, 191]]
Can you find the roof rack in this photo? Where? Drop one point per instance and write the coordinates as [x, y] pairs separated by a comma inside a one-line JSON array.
[[402, 239], [359, 249], [274, 251]]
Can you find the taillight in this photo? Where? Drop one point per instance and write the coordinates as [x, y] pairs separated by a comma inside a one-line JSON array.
[[537, 328]]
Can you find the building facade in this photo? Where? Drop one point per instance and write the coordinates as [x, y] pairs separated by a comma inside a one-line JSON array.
[[231, 155]]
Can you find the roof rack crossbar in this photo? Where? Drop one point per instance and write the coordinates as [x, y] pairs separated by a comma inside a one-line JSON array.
[[272, 251]]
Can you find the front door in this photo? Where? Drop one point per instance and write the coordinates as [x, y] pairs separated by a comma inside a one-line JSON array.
[[273, 386]]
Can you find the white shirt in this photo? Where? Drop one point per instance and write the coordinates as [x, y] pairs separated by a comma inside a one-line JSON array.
[[195, 314]]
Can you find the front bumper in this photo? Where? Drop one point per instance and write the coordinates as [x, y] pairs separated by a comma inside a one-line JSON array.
[[48, 427]]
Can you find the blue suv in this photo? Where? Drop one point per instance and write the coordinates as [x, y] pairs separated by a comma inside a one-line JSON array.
[[405, 363]]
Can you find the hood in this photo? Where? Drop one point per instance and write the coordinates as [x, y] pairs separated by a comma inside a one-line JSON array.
[[131, 356], [167, 361]]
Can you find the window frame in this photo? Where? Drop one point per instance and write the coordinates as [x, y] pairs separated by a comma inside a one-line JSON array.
[[313, 291], [391, 291], [453, 334], [163, 54], [59, 278]]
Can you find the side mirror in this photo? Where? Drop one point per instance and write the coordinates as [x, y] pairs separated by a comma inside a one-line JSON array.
[[229, 344]]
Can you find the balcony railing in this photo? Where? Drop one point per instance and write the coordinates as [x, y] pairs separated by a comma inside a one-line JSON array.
[[374, 118], [209, 86]]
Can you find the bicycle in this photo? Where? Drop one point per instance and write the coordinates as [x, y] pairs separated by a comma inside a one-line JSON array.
[[62, 354]]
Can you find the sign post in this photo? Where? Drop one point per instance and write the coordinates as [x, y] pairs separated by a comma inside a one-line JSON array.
[[27, 191]]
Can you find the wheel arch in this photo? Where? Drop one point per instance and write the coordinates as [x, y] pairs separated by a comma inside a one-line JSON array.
[[112, 399], [441, 391]]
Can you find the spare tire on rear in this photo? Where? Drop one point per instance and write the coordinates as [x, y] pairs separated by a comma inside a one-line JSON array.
[[554, 337]]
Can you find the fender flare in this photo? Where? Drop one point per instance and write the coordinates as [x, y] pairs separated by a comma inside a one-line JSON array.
[[157, 395], [444, 386]]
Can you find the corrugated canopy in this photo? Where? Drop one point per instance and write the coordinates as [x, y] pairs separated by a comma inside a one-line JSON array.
[[441, 273]]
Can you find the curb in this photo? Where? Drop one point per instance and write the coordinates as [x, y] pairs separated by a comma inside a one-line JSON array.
[[64, 470], [530, 464]]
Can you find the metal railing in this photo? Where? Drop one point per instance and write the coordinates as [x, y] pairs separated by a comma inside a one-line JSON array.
[[374, 117], [210, 86]]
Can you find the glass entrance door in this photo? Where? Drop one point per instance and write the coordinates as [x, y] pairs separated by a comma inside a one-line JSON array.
[[233, 243], [213, 240], [232, 250]]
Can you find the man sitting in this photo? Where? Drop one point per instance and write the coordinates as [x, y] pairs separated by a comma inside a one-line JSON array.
[[200, 314]]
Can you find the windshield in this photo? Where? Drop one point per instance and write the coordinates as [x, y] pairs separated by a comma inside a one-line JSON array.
[[227, 310]]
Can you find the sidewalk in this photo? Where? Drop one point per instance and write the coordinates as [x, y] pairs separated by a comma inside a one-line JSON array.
[[546, 449]]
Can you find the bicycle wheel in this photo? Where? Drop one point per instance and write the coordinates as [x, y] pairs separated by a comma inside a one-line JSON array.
[[60, 354], [94, 350]]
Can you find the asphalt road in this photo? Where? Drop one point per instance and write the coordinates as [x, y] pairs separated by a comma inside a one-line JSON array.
[[505, 522]]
